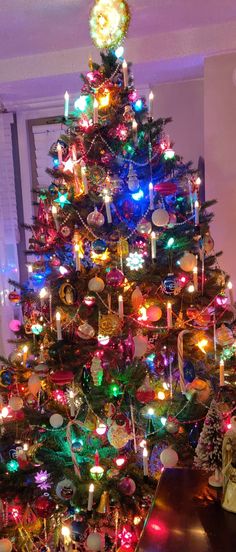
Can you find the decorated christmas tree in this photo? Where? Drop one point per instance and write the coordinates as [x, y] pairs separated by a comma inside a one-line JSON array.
[[209, 447], [125, 327]]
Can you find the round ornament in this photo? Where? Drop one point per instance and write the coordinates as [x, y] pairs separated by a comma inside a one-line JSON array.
[[170, 284], [44, 506], [56, 420], [187, 262], [160, 217], [94, 542], [169, 458], [140, 345], [117, 436], [67, 294], [166, 188], [109, 23], [16, 403], [154, 313], [65, 232], [224, 336], [77, 446], [95, 219], [5, 545], [96, 284], [14, 297], [200, 388], [115, 278], [41, 369], [79, 530], [172, 426], [127, 486], [65, 489], [85, 331], [34, 384], [99, 246], [144, 227], [109, 324], [15, 325], [62, 377]]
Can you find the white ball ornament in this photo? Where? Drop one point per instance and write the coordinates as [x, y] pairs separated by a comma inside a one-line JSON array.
[[169, 458], [16, 403], [160, 217], [5, 545], [94, 542], [34, 384], [56, 420], [96, 284], [140, 345], [187, 262]]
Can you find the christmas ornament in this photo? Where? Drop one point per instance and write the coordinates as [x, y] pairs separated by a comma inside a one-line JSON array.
[[118, 437], [145, 393], [165, 188], [224, 336], [187, 262], [94, 542], [34, 384], [132, 179], [200, 388], [140, 345], [85, 331], [14, 297], [115, 278], [189, 371], [160, 217], [109, 23], [65, 232], [96, 371], [67, 294], [208, 243], [172, 426], [144, 227], [41, 369], [99, 246], [154, 313], [95, 219], [135, 261], [109, 324], [127, 486], [62, 377], [56, 420], [104, 506], [169, 458], [16, 403], [128, 115], [77, 446], [44, 506], [79, 530], [65, 489], [5, 545], [42, 480], [96, 284], [15, 325], [137, 298]]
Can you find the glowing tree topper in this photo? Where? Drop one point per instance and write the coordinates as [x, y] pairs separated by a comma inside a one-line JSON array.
[[135, 261], [109, 22]]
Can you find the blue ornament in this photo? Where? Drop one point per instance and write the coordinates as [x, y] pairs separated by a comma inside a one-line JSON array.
[[138, 105], [189, 371], [77, 446], [169, 284], [99, 246], [6, 377], [79, 530]]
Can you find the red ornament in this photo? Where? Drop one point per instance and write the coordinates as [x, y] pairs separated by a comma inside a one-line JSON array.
[[44, 506], [14, 296], [166, 188], [62, 377], [145, 395], [115, 278], [127, 486]]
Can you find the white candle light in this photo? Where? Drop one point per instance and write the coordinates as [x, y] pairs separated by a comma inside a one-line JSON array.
[[30, 269], [66, 104], [59, 153], [54, 214], [25, 354], [196, 206], [151, 98], [195, 278], [77, 258], [90, 497], [84, 177], [169, 315], [153, 245], [231, 294], [95, 111], [151, 196], [108, 208], [222, 373], [121, 307], [58, 325], [125, 73], [145, 461], [134, 130]]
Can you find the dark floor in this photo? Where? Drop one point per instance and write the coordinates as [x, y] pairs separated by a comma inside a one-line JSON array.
[[187, 516]]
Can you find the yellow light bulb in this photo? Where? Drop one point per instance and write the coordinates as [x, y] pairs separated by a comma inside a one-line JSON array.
[[202, 344]]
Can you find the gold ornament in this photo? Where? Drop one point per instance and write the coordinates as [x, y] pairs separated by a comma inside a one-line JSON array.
[[104, 504], [109, 23], [109, 324], [32, 452], [123, 247], [67, 294]]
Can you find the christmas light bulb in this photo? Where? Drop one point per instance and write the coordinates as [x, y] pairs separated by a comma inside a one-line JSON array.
[[65, 531]]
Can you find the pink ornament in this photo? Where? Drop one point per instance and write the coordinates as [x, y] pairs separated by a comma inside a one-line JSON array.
[[95, 218], [15, 325], [127, 486], [115, 278]]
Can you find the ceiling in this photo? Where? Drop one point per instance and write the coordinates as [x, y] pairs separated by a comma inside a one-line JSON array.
[[45, 44]]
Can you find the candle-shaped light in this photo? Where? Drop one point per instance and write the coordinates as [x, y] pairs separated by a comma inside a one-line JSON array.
[[145, 461], [84, 176], [66, 104], [54, 214], [222, 372], [125, 73], [42, 294], [150, 110], [77, 257], [196, 212], [30, 270], [58, 325], [95, 111], [41, 353], [25, 354], [169, 315], [153, 245], [72, 403], [135, 130], [59, 153], [151, 196], [90, 497], [195, 278], [121, 307], [231, 294], [107, 200]]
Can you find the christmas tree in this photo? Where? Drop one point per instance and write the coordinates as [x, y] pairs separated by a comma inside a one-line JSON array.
[[209, 447], [125, 319]]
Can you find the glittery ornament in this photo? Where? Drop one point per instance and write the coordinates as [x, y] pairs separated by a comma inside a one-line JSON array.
[[109, 324], [85, 331], [96, 371], [118, 437], [144, 227], [145, 393], [128, 114], [115, 278], [169, 284], [99, 246], [127, 486], [44, 506], [95, 219], [65, 231], [224, 336], [109, 23]]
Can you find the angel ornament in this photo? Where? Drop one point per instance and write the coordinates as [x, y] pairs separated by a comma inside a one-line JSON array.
[[229, 468]]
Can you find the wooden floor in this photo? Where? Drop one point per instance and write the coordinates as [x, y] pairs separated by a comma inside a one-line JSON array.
[[187, 517]]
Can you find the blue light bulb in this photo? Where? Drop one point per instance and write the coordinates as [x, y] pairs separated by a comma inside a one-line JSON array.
[[138, 106], [138, 195]]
